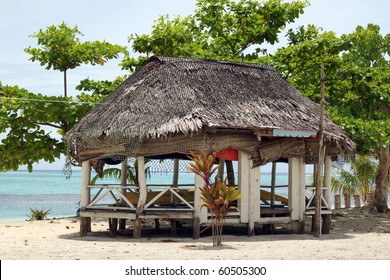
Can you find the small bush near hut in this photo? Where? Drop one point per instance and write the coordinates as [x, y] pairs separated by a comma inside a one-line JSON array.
[[37, 214]]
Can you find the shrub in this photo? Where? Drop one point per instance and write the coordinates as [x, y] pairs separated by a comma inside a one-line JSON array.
[[37, 214]]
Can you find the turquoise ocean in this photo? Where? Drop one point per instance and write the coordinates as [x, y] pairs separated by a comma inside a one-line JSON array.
[[51, 190]]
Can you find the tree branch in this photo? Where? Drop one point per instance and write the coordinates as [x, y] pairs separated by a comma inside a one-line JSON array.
[[51, 124]]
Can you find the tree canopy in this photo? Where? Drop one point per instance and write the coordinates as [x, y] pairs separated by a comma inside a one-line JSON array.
[[357, 86], [218, 29], [35, 123], [60, 48]]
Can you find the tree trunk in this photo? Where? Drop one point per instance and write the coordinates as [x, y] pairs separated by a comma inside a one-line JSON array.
[[347, 200], [65, 86], [356, 199], [337, 201], [369, 199], [382, 181], [230, 172]]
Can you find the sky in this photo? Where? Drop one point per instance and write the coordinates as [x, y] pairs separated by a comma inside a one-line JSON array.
[[115, 20]]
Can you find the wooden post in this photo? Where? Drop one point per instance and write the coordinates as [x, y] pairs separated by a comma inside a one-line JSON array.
[[243, 185], [296, 191], [85, 222], [328, 181], [142, 197], [122, 222], [200, 215], [254, 199], [317, 228], [175, 182], [221, 169], [230, 172], [273, 184]]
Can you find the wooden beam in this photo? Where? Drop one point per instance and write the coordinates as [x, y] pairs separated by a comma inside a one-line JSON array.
[[221, 169], [243, 185], [122, 222], [142, 197], [328, 181], [200, 215], [274, 220], [296, 188], [321, 153], [175, 182], [85, 222], [273, 183], [254, 199], [294, 133]]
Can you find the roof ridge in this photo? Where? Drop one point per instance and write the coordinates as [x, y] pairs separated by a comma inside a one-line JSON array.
[[168, 59]]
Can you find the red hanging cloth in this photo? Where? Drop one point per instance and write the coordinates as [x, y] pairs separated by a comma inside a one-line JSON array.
[[228, 154]]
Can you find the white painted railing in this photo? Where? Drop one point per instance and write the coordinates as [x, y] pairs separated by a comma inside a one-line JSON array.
[[313, 194], [110, 196]]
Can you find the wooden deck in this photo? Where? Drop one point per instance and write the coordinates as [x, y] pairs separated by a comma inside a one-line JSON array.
[[116, 202]]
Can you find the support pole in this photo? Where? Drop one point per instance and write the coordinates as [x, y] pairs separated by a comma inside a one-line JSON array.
[[175, 182], [142, 197], [122, 222], [273, 184], [200, 215], [243, 185], [317, 228], [254, 199], [328, 181], [85, 222], [221, 169], [296, 192], [230, 173]]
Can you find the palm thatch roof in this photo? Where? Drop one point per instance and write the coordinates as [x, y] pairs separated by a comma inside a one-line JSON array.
[[175, 105]]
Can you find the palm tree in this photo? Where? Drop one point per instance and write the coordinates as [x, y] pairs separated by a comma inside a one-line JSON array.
[[359, 180], [116, 173]]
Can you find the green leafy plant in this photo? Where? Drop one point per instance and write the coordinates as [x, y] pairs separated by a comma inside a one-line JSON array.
[[38, 214], [360, 179], [216, 196], [116, 173]]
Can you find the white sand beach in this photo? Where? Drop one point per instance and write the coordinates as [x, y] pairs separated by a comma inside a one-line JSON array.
[[356, 234]]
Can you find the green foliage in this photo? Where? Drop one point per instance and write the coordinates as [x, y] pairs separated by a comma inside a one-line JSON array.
[[217, 29], [26, 118], [357, 78], [360, 179], [357, 70], [98, 90], [365, 109], [216, 196], [60, 49], [299, 62], [29, 120], [116, 173], [38, 214], [202, 165]]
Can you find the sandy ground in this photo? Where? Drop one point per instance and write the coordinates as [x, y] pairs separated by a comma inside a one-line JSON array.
[[356, 234]]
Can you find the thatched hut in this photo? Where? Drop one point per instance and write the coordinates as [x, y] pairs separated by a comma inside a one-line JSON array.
[[172, 106]]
